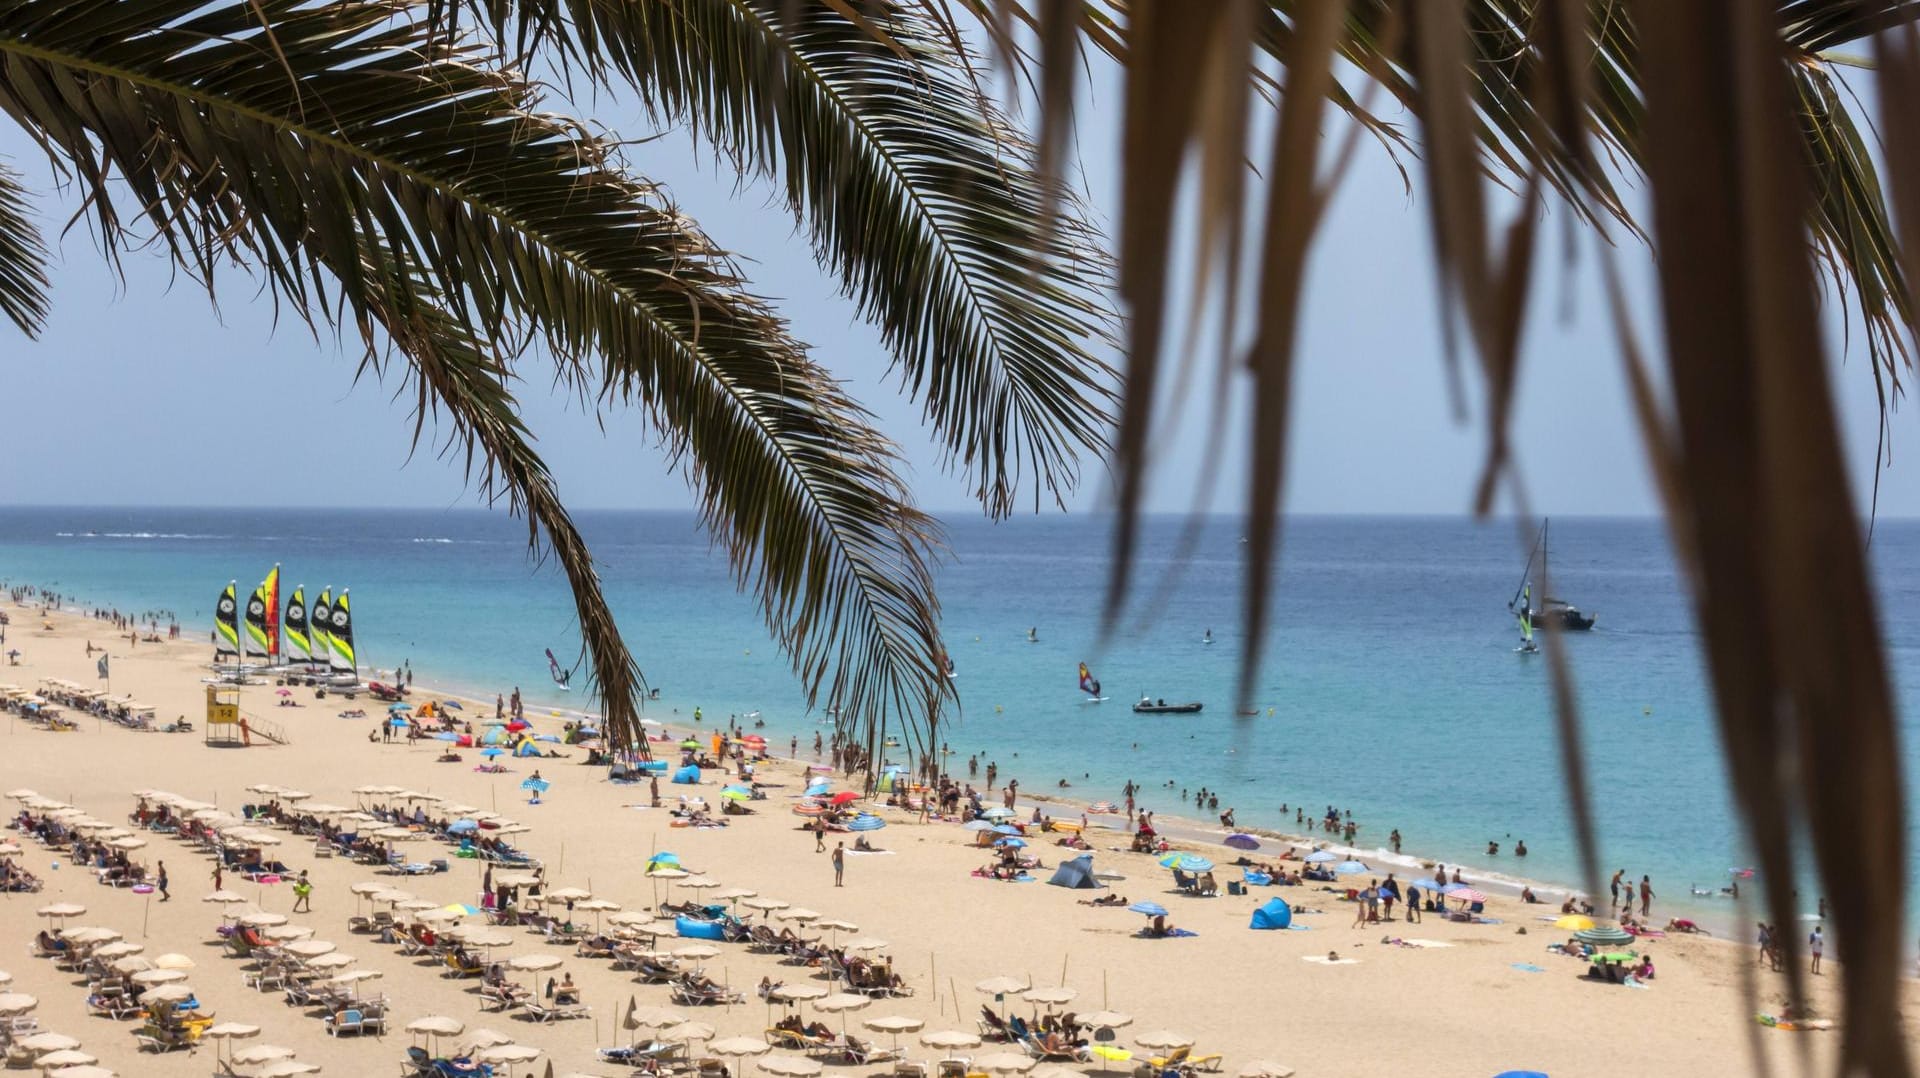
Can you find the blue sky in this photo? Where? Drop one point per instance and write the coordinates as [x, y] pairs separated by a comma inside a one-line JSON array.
[[140, 392]]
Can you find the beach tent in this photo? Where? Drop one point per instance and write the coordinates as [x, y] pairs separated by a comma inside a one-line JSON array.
[[1275, 914], [1077, 873], [495, 735], [526, 747], [687, 776]]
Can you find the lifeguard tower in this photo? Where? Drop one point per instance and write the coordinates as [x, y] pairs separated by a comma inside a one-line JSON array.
[[223, 717]]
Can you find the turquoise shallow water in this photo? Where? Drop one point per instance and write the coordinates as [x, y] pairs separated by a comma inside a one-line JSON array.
[[1389, 671]]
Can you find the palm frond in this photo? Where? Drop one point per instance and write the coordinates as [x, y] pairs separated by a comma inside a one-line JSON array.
[[294, 135], [23, 258], [459, 378], [915, 191]]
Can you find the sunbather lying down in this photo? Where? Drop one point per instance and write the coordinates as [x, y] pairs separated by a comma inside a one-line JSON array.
[[1105, 900]]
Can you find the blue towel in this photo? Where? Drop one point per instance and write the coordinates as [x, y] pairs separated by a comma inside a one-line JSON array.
[[1528, 967]]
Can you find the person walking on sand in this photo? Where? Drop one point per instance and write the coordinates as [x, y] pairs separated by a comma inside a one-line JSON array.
[[1816, 946], [302, 894], [216, 877], [819, 835], [1615, 885], [839, 863], [1646, 897], [160, 885]]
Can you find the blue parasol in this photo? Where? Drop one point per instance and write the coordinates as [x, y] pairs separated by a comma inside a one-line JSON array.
[[868, 822], [1151, 909], [540, 785]]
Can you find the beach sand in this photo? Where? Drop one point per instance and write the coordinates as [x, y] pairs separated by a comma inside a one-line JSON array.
[[1463, 1009]]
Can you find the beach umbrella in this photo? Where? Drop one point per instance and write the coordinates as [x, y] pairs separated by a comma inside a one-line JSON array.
[[653, 1017], [493, 750], [436, 1025], [158, 976], [806, 808], [998, 812], [789, 1066], [48, 1042], [1107, 1019], [258, 1054], [533, 963], [132, 964], [979, 825], [949, 1039], [261, 919], [1604, 936], [739, 1046], [487, 1038], [173, 961], [1163, 1039], [309, 948], [463, 827], [844, 797], [1151, 909], [562, 895], [64, 1057], [1052, 996], [1321, 857], [894, 1025], [1464, 893], [287, 932], [1243, 842], [1002, 986], [797, 993], [83, 1070], [687, 1031], [223, 898], [1574, 922], [287, 1068], [336, 960], [17, 1003], [1192, 862], [801, 915], [508, 1054], [1350, 868], [695, 952], [867, 943], [5, 977], [117, 949], [840, 1003], [1266, 1068], [61, 910], [536, 785], [1005, 1063], [663, 859], [167, 993], [1011, 843]]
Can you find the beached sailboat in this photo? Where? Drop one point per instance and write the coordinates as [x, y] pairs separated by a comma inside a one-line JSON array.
[[294, 624], [226, 624], [1554, 613], [263, 619], [340, 638]]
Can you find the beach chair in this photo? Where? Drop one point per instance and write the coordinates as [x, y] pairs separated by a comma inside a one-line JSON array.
[[993, 1027], [1056, 1046], [555, 1012], [418, 1063], [648, 970], [861, 1053], [473, 968], [953, 1067], [345, 1022], [502, 997], [1173, 1060]]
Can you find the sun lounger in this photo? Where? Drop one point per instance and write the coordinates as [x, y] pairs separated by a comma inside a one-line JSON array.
[[345, 1022], [860, 1053], [543, 1012]]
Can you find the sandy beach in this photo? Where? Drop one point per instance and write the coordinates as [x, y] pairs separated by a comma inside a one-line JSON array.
[[1476, 999]]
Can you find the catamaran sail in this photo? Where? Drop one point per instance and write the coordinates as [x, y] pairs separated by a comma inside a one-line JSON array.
[[340, 635], [320, 625], [226, 625], [299, 649], [1088, 684], [563, 679], [257, 623], [271, 588]]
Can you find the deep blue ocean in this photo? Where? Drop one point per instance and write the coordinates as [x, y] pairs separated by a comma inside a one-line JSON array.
[[1390, 672]]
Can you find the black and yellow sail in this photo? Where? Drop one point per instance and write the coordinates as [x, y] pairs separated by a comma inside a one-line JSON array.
[[257, 645], [226, 623], [319, 621], [340, 634], [294, 623]]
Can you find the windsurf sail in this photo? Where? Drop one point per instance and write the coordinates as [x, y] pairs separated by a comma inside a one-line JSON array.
[[1087, 683], [257, 623], [562, 678], [299, 649], [226, 623], [320, 625], [340, 635], [1526, 616], [271, 586]]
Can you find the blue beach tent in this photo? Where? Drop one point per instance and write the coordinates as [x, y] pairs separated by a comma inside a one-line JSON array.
[[1077, 873], [687, 776], [1275, 914]]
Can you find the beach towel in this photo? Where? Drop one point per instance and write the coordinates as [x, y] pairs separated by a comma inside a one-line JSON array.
[[1528, 967], [1172, 934], [1802, 1025], [1323, 960], [869, 853]]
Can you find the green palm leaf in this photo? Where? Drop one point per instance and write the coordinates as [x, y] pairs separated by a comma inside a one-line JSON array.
[[915, 191], [294, 135], [23, 258]]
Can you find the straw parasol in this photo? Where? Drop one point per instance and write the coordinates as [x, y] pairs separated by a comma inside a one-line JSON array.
[[167, 993], [118, 949], [287, 1068], [560, 896], [287, 933], [695, 951], [1052, 996], [335, 960], [1163, 1039], [764, 905], [654, 1017], [173, 961], [893, 1025], [262, 1053], [1005, 1063], [17, 1003], [801, 915], [739, 1046], [789, 1066], [159, 976], [64, 1057], [436, 1025], [867, 943], [48, 1042], [1106, 1019], [261, 919], [83, 1070], [949, 1039], [687, 1031], [1266, 1068], [796, 993], [1002, 986]]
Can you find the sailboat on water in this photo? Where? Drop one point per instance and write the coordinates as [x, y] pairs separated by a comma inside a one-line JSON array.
[[1525, 616], [1554, 614]]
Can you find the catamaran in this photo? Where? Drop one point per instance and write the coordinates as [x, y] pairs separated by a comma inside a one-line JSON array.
[[1525, 616], [1557, 613]]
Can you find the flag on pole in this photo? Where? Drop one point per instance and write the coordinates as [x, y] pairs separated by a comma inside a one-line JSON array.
[[102, 666]]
